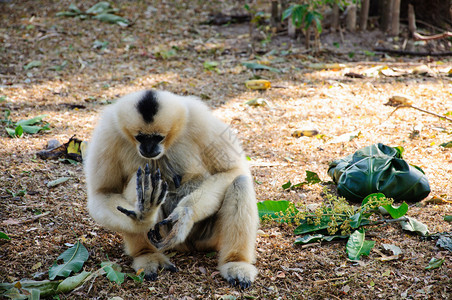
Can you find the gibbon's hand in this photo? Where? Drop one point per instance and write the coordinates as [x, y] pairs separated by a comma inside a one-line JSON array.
[[182, 220], [151, 192]]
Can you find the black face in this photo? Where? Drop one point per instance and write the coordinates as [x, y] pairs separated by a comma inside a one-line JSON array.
[[149, 144]]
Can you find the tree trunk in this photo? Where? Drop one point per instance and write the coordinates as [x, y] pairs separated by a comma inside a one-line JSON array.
[[274, 21], [335, 21], [411, 19], [291, 29], [386, 14], [351, 18], [284, 6], [364, 15], [395, 26]]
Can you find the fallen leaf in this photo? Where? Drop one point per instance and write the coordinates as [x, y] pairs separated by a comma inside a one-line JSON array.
[[58, 181], [305, 132], [258, 84], [435, 200], [399, 100]]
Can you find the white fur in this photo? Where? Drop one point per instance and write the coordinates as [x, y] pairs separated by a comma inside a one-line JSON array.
[[201, 148]]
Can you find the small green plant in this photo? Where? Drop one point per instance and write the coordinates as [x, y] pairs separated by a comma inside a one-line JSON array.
[[73, 260], [303, 15], [30, 126], [311, 178], [102, 11], [337, 219], [19, 193]]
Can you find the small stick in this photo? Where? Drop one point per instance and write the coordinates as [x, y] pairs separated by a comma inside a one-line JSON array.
[[420, 109]]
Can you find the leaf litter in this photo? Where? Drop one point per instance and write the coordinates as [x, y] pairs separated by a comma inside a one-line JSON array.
[[162, 50]]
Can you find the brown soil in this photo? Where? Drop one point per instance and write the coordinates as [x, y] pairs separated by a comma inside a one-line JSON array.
[[307, 97]]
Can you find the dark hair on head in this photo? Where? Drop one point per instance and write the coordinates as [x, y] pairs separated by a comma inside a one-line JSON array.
[[148, 106]]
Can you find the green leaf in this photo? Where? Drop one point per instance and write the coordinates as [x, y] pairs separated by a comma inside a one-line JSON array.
[[34, 128], [400, 151], [113, 271], [137, 278], [448, 218], [396, 212], [73, 258], [33, 64], [355, 220], [392, 248], [59, 67], [31, 121], [312, 177], [307, 227], [46, 288], [34, 294], [287, 13], [11, 132], [12, 293], [57, 181], [210, 65], [72, 282], [287, 185], [447, 145], [4, 236], [445, 242], [99, 8], [307, 239], [67, 14], [357, 245], [256, 66], [414, 225], [273, 209], [434, 263], [74, 8], [111, 18], [19, 131]]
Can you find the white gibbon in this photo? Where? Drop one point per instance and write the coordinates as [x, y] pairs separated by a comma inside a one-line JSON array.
[[158, 157]]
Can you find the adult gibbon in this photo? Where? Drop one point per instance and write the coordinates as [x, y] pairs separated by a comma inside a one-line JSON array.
[[159, 157]]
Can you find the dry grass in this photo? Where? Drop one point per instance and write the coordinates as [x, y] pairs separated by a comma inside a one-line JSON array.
[[326, 99]]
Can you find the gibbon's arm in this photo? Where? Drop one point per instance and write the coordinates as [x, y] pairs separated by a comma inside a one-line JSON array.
[[207, 198], [110, 185], [196, 206], [103, 207]]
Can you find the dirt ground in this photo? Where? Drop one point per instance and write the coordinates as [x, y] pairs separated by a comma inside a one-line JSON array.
[[166, 48]]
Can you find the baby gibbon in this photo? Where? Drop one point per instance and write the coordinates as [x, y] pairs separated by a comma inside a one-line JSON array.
[[158, 157]]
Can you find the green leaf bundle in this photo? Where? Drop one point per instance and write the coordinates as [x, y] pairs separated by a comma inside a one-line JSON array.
[[378, 169]]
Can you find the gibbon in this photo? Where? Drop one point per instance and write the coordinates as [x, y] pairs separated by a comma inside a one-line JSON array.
[[158, 157]]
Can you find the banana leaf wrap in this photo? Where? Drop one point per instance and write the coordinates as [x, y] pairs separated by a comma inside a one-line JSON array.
[[378, 169]]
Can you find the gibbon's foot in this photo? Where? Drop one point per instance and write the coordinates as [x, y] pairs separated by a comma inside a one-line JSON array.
[[151, 262], [182, 220], [239, 274], [152, 276], [151, 192]]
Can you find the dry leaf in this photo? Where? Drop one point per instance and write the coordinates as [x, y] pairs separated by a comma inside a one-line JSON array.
[[399, 100], [305, 132], [435, 200], [258, 84]]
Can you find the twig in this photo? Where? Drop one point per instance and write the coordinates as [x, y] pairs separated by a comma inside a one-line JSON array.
[[323, 281], [387, 221], [414, 53], [418, 37], [26, 221], [420, 109]]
